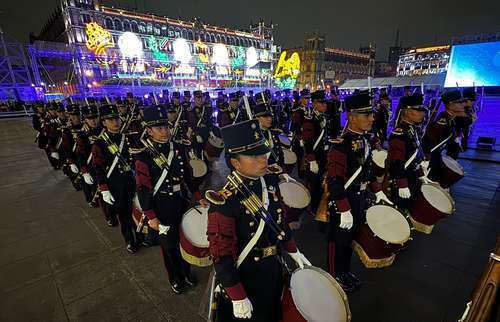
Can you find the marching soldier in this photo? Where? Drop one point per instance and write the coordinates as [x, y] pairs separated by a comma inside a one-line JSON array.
[[51, 129], [176, 101], [348, 176], [69, 136], [230, 114], [38, 121], [199, 123], [162, 173], [112, 164], [442, 134], [298, 115], [382, 117], [405, 152], [243, 246], [315, 139], [264, 115], [465, 122], [333, 113], [86, 138]]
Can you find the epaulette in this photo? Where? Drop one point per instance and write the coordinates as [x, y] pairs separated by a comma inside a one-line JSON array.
[[135, 151], [397, 131], [442, 121], [275, 169], [185, 142], [277, 130]]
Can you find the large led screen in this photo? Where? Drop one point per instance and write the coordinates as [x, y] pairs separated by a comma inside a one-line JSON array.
[[474, 64]]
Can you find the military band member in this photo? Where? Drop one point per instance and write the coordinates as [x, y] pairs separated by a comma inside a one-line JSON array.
[[465, 122], [69, 136], [176, 101], [38, 121], [84, 142], [298, 115], [315, 140], [442, 134], [112, 164], [199, 123], [405, 152], [333, 112], [251, 281], [348, 176], [52, 126], [382, 117], [162, 175], [264, 115]]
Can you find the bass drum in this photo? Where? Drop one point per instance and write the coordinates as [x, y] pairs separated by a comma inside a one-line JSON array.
[[214, 146], [385, 232], [314, 295], [193, 237], [199, 168], [290, 160], [452, 172], [296, 198]]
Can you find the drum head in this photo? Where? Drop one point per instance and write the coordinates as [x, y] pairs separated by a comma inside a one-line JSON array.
[[294, 194], [199, 167], [453, 165], [216, 141], [318, 297], [194, 226], [379, 157], [438, 198], [388, 224], [289, 156], [284, 140]]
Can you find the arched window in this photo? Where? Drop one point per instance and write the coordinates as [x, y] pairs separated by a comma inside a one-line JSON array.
[[184, 33], [171, 32], [118, 25], [223, 39], [142, 28], [164, 30], [109, 23], [212, 38], [149, 28], [177, 33], [190, 35], [126, 25], [157, 30], [133, 26], [217, 38]]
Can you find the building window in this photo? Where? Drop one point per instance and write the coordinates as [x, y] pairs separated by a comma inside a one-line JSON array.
[[157, 30], [126, 25], [86, 18], [109, 23], [133, 26], [118, 25], [142, 28], [164, 31], [149, 28]]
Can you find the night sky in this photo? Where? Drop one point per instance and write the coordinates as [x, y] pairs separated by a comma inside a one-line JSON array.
[[346, 24]]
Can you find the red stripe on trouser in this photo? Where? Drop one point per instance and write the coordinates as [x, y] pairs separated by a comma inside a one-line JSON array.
[[331, 258]]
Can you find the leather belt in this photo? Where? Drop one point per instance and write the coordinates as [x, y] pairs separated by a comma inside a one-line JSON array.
[[261, 253]]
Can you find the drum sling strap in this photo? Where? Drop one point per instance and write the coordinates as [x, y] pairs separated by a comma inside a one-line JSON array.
[[358, 171], [248, 248], [165, 170], [115, 160], [441, 143]]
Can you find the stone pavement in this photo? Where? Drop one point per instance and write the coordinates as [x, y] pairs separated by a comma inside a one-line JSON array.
[[60, 262]]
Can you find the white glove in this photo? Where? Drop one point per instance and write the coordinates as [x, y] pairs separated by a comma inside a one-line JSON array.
[[404, 193], [74, 168], [382, 197], [199, 139], [424, 165], [286, 177], [313, 166], [163, 230], [108, 197], [242, 309], [346, 220], [88, 179], [300, 259], [55, 155]]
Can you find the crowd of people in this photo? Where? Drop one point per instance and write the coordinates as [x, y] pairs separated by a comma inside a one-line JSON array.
[[145, 164]]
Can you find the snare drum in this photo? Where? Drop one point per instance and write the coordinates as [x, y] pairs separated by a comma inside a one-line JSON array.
[[314, 295], [193, 237], [431, 204], [296, 197], [290, 159], [285, 141], [384, 233], [452, 172], [213, 147], [379, 157]]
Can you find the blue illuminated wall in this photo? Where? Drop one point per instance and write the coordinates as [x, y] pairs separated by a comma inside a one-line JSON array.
[[477, 64]]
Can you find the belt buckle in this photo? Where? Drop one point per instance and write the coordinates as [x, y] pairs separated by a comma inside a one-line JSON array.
[[268, 251], [362, 186], [176, 188]]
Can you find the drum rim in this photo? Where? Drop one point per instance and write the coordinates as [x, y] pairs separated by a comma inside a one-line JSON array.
[[290, 153], [333, 282], [405, 220], [308, 194], [450, 161], [446, 194], [199, 161], [200, 208]]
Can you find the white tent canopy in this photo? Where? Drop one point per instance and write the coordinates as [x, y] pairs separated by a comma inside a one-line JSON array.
[[434, 80]]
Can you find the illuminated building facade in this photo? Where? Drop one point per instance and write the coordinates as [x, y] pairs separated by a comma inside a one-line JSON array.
[[424, 61], [115, 49]]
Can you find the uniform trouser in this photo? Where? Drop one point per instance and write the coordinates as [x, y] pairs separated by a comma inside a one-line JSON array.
[[436, 166], [88, 191], [169, 211], [339, 252], [314, 184], [56, 164], [300, 157], [453, 149], [122, 187], [263, 284]]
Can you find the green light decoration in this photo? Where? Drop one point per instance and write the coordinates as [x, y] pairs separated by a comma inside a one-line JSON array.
[[199, 64], [157, 53], [285, 82], [239, 59]]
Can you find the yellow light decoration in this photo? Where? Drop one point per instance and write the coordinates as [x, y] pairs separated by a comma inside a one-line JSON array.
[[98, 40], [163, 68], [288, 67]]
